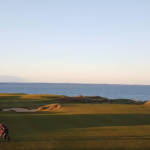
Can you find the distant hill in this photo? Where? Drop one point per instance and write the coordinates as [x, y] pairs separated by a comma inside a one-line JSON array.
[[6, 78]]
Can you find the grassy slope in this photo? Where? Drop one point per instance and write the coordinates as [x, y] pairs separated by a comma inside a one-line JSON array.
[[76, 126], [24, 100]]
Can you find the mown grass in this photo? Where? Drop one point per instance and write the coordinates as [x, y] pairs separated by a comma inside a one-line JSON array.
[[78, 127]]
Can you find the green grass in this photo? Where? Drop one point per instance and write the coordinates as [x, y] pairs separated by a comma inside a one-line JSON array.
[[76, 126], [24, 100]]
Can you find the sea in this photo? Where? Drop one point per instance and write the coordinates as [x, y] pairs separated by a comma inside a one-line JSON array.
[[114, 91]]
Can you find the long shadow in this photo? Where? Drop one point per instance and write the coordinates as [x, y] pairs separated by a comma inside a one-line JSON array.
[[59, 122], [103, 120]]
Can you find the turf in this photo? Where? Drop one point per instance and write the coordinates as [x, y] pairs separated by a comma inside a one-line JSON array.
[[76, 126]]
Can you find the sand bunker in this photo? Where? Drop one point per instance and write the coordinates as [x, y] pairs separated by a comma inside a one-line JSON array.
[[49, 108], [20, 110], [147, 103], [45, 108]]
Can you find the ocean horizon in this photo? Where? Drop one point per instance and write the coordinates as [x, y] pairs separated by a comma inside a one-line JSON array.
[[114, 91]]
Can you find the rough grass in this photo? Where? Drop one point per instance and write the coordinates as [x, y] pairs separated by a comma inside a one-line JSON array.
[[36, 100], [78, 127], [26, 100]]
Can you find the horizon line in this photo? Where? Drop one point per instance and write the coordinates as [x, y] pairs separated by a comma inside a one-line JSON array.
[[36, 82]]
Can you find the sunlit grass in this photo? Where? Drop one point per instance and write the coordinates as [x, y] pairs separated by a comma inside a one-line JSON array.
[[76, 126]]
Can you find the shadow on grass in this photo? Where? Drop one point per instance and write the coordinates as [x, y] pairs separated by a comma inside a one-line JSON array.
[[26, 127], [99, 149], [49, 122]]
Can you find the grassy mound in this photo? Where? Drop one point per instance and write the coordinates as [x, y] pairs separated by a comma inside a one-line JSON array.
[[31, 101]]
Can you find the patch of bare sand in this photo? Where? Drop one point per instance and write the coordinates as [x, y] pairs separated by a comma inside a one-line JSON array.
[[49, 108], [46, 108], [147, 103], [20, 110]]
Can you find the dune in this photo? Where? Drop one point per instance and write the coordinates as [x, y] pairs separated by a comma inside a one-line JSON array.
[[49, 108], [45, 108], [147, 103]]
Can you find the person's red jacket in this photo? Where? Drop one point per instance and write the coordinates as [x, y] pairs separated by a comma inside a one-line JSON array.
[[2, 129]]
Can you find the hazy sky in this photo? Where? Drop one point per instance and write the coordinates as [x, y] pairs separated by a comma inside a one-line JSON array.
[[79, 41]]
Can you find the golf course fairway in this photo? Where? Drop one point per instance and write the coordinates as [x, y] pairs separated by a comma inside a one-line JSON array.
[[76, 126]]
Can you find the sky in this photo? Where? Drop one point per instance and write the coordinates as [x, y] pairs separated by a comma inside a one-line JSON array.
[[75, 41]]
